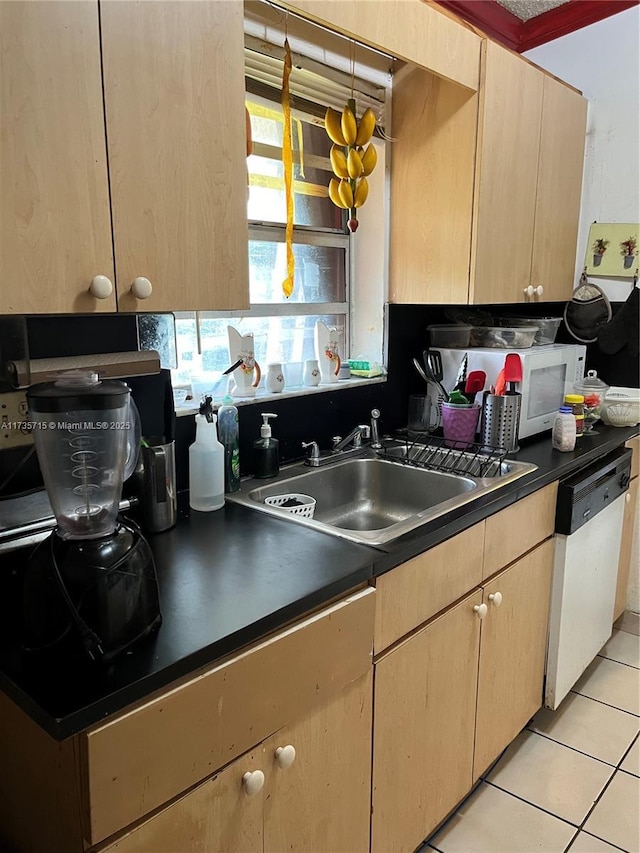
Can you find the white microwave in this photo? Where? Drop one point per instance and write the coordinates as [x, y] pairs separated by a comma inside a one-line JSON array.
[[548, 373]]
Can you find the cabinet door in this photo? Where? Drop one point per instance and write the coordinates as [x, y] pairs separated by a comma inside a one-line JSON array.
[[55, 232], [560, 167], [425, 699], [174, 95], [218, 816], [322, 800], [629, 526], [506, 177], [512, 653]]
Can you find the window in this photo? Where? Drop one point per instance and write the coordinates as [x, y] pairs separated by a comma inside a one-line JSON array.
[[283, 328]]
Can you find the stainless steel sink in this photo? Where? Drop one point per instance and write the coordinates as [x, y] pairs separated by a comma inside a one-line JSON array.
[[375, 500]]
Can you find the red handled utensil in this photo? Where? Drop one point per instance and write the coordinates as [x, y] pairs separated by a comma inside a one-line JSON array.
[[474, 384], [512, 372], [500, 383]]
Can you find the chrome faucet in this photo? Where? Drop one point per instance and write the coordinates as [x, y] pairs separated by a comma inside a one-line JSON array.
[[355, 436], [376, 444]]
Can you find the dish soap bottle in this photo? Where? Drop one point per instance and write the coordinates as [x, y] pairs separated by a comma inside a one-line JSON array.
[[229, 436], [206, 463], [266, 451]]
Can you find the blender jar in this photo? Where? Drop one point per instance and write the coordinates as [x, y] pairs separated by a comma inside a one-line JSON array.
[[87, 435]]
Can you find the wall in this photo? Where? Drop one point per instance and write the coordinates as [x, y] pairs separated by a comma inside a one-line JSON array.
[[602, 61]]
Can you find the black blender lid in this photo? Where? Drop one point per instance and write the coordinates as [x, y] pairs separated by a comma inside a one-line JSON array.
[[77, 389]]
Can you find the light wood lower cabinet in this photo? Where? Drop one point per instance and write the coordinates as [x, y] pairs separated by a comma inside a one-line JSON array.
[[512, 654], [454, 694], [425, 698], [309, 792]]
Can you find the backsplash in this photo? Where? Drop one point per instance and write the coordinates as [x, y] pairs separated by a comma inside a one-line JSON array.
[[316, 417]]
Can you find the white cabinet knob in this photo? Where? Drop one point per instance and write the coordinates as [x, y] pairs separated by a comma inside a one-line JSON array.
[[529, 291], [496, 598], [539, 290], [141, 287], [285, 756], [480, 610], [101, 287], [252, 782]]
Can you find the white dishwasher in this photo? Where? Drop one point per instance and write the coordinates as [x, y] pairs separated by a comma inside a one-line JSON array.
[[589, 518]]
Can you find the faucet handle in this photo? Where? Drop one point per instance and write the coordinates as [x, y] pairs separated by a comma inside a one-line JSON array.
[[335, 441], [315, 450], [364, 431]]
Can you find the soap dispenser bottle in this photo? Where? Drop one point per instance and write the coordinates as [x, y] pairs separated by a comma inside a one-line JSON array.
[[206, 463], [266, 450]]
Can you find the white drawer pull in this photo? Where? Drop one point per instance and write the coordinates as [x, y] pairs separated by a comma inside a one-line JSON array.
[[141, 288], [480, 610], [529, 291], [496, 598], [539, 290], [101, 287], [285, 755], [252, 782]]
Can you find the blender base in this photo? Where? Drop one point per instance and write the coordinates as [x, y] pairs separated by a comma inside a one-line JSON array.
[[90, 598]]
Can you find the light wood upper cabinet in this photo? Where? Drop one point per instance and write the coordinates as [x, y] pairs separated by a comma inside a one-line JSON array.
[[512, 653], [560, 167], [172, 202], [409, 29], [174, 93], [506, 176], [55, 232], [531, 142], [432, 168]]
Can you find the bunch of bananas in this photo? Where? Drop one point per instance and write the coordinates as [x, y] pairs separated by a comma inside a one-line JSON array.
[[350, 160]]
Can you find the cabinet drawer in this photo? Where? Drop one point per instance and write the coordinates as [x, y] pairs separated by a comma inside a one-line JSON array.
[[418, 589], [138, 761], [517, 529]]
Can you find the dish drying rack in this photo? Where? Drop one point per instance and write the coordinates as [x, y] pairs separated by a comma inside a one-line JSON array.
[[428, 451]]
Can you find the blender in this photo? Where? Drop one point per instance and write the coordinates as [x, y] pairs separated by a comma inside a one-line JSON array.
[[91, 586]]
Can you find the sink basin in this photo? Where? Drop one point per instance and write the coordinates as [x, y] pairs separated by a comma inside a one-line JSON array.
[[373, 500]]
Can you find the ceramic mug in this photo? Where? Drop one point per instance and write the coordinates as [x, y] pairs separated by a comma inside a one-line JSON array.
[[311, 373]]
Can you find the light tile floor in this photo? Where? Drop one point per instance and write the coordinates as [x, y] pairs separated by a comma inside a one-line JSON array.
[[571, 780]]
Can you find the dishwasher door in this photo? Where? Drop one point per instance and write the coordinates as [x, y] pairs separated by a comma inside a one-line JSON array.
[[585, 573]]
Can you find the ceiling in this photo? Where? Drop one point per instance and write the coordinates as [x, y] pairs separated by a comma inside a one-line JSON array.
[[523, 24]]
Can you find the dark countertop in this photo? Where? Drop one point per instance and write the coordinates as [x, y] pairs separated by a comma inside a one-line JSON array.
[[229, 577]]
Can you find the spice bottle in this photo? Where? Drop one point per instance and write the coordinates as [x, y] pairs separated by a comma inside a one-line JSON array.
[[576, 401], [563, 436]]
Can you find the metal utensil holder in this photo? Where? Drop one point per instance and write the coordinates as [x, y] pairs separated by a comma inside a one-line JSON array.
[[500, 419]]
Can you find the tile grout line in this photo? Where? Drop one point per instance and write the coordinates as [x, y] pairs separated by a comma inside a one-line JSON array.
[[622, 662], [602, 702], [534, 805], [581, 752]]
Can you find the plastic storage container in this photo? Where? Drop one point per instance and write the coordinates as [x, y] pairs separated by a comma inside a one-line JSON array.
[[503, 337], [206, 467], [455, 335], [563, 436], [229, 434], [547, 327]]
